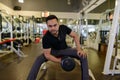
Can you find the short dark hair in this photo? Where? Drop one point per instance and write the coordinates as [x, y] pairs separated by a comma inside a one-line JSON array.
[[51, 17]]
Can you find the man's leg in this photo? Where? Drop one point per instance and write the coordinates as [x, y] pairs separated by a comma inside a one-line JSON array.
[[73, 53], [84, 66], [36, 66]]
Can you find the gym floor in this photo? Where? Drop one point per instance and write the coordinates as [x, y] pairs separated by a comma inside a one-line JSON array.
[[14, 68]]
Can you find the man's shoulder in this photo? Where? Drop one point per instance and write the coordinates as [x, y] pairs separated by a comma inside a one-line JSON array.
[[63, 25]]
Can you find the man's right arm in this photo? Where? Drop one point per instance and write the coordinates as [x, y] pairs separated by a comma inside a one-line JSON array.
[[51, 57]]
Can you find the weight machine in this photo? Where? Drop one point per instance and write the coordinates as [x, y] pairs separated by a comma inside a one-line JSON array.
[[113, 32], [10, 38]]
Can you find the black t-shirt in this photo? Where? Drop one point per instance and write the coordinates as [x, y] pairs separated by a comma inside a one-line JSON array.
[[56, 43]]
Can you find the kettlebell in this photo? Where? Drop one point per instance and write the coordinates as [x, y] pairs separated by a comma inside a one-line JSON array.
[[67, 63]]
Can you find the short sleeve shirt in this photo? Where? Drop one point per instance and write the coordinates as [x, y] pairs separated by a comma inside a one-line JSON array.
[[56, 43]]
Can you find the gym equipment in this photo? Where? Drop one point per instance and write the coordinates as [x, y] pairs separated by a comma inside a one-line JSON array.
[[102, 35], [13, 28], [8, 40], [18, 28], [18, 51], [18, 34], [67, 63], [16, 43], [7, 35], [30, 41], [113, 31], [0, 22], [38, 20]]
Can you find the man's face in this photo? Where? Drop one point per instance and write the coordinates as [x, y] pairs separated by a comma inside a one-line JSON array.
[[53, 26]]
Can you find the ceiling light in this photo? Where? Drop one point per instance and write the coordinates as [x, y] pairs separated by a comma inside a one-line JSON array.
[[21, 1], [61, 20], [68, 2]]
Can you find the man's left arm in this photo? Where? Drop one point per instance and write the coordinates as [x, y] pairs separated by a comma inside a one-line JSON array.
[[77, 42]]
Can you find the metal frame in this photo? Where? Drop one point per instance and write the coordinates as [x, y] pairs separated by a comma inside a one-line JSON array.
[[17, 51], [113, 32]]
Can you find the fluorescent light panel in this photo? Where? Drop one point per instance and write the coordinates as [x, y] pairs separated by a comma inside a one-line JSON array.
[[21, 1]]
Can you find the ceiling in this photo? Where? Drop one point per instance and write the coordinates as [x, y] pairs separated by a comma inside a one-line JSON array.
[[57, 5], [108, 4]]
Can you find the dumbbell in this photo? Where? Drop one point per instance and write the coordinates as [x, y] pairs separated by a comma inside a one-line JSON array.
[[67, 63]]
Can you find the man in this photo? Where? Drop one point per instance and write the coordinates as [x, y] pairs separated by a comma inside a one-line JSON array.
[[54, 45]]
